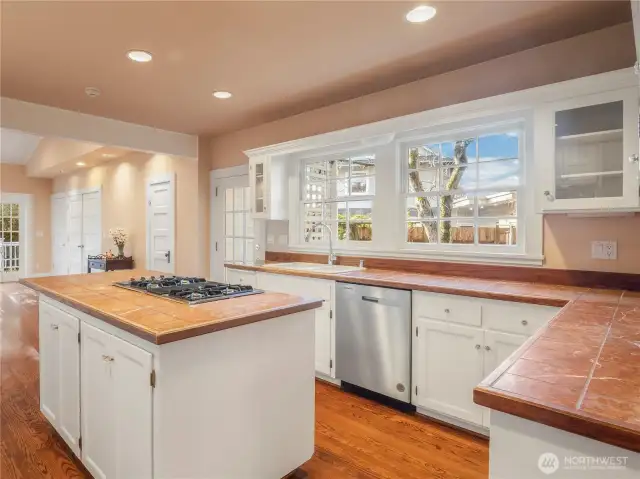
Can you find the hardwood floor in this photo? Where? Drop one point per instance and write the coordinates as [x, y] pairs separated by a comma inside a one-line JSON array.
[[355, 438]]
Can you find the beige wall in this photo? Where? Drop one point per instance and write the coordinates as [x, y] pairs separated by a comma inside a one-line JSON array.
[[123, 184], [567, 240], [13, 179]]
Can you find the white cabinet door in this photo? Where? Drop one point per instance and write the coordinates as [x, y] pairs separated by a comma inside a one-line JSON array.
[[588, 147], [97, 400], [60, 372], [132, 391], [498, 347], [68, 423], [324, 361], [49, 363], [75, 234], [325, 323], [116, 406], [448, 364], [258, 177]]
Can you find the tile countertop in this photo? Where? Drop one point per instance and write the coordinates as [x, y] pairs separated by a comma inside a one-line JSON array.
[[159, 320], [579, 373]]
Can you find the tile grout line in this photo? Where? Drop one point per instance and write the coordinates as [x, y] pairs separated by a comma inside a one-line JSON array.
[[596, 362]]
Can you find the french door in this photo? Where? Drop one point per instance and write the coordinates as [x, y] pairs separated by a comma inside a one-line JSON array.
[[233, 232], [11, 242], [84, 229]]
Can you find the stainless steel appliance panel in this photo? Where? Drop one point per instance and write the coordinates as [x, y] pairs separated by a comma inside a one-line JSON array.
[[373, 339]]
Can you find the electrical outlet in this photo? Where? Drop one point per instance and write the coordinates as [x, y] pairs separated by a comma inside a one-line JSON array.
[[604, 250]]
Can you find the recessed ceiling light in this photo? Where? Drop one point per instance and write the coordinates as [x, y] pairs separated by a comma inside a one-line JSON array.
[[80, 163], [108, 155], [223, 95], [92, 92], [139, 56], [421, 14]]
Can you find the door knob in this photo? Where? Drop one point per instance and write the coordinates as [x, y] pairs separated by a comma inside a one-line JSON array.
[[54, 327], [478, 346], [549, 196], [634, 159], [168, 256], [487, 348]]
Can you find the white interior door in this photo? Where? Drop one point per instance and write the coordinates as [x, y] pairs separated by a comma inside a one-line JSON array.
[[91, 226], [161, 225], [59, 235], [232, 226], [75, 234]]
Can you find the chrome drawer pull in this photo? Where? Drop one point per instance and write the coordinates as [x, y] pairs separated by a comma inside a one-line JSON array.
[[370, 299], [524, 322]]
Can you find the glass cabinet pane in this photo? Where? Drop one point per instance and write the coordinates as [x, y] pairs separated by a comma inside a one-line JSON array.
[[589, 151], [258, 207]]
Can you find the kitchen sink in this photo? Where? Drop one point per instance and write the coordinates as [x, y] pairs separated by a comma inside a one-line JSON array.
[[314, 267]]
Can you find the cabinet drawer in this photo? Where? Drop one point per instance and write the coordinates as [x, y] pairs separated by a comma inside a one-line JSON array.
[[519, 318], [237, 276], [447, 307], [296, 285]]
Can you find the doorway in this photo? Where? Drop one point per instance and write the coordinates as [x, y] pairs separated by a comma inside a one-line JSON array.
[[14, 258], [232, 226], [161, 208]]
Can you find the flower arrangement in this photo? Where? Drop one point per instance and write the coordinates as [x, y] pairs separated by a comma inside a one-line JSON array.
[[119, 237]]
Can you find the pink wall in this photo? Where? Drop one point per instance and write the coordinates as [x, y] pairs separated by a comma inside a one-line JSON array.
[[567, 240]]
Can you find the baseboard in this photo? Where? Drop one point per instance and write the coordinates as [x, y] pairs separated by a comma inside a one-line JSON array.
[[39, 275], [328, 379], [454, 422]]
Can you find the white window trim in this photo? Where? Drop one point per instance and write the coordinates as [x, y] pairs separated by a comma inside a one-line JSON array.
[[401, 129], [521, 121]]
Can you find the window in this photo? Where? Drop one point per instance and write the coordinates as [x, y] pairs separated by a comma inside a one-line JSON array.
[[10, 236], [464, 190], [339, 194], [238, 226]]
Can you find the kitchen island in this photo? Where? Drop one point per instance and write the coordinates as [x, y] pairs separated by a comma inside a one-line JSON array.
[[140, 386]]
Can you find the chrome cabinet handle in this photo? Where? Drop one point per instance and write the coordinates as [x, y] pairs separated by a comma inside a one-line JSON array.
[[370, 299], [54, 327], [524, 322], [549, 196], [488, 348], [634, 159], [478, 346]]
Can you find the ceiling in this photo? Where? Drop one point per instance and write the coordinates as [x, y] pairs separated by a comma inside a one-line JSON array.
[[277, 58], [16, 146]]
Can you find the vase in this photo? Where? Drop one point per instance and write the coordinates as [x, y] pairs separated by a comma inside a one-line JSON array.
[[120, 251]]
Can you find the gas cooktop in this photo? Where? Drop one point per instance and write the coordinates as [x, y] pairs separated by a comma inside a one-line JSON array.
[[184, 289]]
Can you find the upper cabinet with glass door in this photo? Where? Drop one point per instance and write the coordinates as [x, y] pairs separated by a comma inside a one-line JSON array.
[[268, 185], [587, 152]]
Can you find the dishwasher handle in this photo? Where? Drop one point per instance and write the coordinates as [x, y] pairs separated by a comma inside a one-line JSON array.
[[371, 299]]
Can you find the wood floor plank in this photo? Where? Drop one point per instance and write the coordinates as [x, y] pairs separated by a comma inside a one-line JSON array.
[[355, 438]]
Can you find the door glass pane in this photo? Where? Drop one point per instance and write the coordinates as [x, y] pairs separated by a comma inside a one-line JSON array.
[[238, 224], [589, 151], [9, 237], [238, 199], [228, 199], [228, 224], [228, 249]]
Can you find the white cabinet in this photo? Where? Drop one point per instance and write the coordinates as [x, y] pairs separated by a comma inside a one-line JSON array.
[[448, 364], [60, 373], [457, 342], [325, 326], [269, 187], [587, 152], [116, 406], [238, 276], [498, 347]]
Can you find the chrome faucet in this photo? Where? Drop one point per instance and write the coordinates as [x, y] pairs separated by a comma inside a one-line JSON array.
[[332, 256]]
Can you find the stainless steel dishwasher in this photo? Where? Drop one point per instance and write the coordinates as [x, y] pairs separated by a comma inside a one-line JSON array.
[[373, 339]]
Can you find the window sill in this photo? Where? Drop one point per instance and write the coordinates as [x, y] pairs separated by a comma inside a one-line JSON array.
[[513, 259]]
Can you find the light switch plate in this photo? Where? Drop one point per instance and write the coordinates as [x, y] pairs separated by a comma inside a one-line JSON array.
[[604, 250]]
